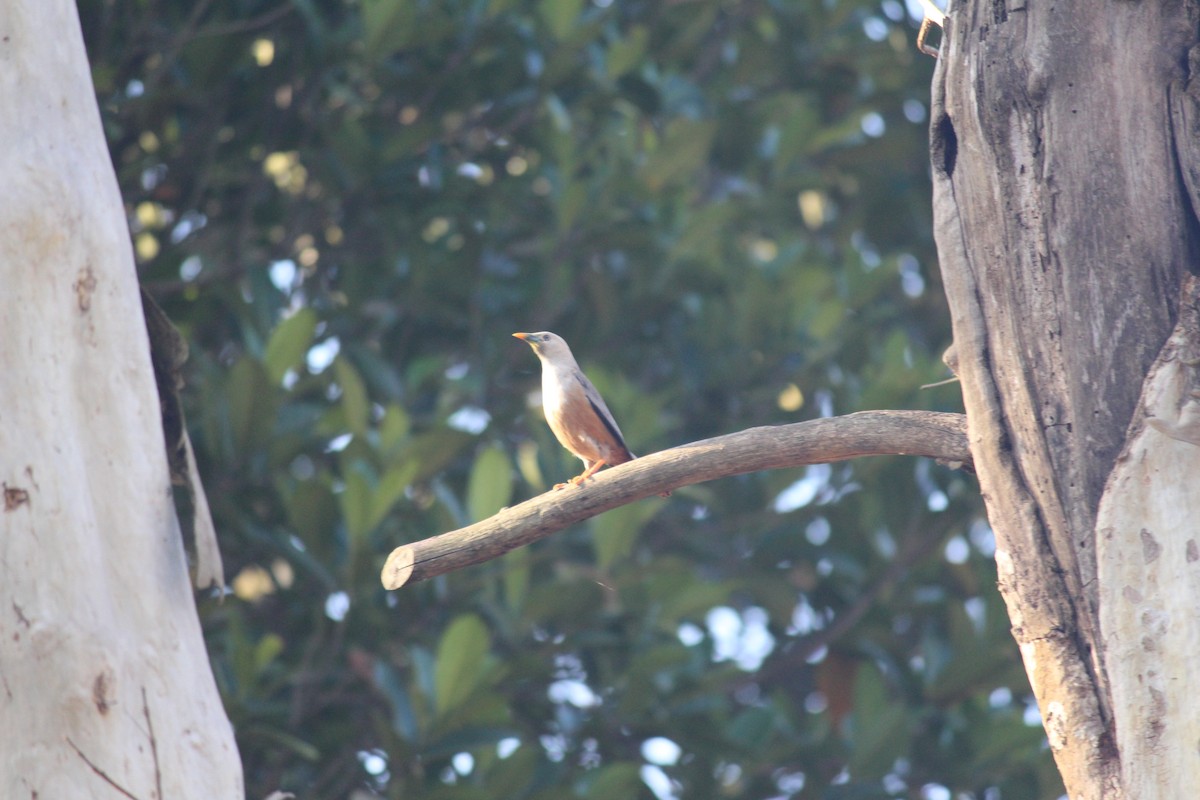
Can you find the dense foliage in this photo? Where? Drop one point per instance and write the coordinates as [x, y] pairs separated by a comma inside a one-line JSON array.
[[348, 205]]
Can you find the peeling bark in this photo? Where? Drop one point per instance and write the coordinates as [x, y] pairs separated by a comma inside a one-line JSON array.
[[1148, 558]]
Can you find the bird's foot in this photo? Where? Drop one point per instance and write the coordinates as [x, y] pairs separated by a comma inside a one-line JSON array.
[[576, 481], [579, 479]]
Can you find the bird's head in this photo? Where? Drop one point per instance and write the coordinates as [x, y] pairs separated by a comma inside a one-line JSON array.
[[548, 346]]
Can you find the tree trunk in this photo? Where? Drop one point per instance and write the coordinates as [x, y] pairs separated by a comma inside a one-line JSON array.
[[105, 686], [1065, 235]]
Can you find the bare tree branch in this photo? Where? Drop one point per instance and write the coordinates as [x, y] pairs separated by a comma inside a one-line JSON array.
[[867, 433]]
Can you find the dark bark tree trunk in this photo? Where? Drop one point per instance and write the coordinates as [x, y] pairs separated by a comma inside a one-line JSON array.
[[105, 684], [1066, 234]]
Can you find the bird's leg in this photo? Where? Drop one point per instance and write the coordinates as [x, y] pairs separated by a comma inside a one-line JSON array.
[[591, 470], [587, 473]]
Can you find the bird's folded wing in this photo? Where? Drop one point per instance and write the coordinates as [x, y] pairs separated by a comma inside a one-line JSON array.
[[597, 403]]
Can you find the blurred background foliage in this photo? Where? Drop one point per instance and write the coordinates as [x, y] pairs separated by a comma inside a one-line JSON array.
[[348, 205]]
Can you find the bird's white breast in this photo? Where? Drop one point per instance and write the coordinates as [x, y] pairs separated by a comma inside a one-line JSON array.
[[568, 412], [553, 381]]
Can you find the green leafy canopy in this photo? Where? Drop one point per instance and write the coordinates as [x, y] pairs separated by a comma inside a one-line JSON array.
[[348, 205]]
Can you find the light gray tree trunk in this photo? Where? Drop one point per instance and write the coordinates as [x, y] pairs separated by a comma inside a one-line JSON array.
[[105, 685], [1063, 154]]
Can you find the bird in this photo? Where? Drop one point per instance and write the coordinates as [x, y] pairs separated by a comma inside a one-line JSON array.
[[574, 409]]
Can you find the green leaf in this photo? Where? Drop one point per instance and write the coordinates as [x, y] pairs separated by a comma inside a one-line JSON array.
[[404, 720], [562, 139], [460, 662], [355, 502], [624, 54], [311, 512], [433, 450], [693, 600], [510, 777], [684, 147], [516, 577], [393, 429], [560, 15], [496, 7], [266, 651], [388, 25], [880, 727], [389, 491], [572, 203], [836, 134], [622, 779], [704, 234], [242, 668], [251, 406], [290, 340], [751, 728], [467, 737], [564, 602], [490, 485], [827, 318], [355, 404], [614, 532]]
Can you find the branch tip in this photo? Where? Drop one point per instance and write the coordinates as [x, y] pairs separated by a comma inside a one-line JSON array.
[[399, 567]]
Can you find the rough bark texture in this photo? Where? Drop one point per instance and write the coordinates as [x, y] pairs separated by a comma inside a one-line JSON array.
[[105, 687], [1064, 232]]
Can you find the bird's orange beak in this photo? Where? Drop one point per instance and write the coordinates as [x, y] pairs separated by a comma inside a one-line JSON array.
[[521, 336]]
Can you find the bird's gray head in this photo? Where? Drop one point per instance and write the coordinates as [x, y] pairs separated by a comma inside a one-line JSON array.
[[547, 345]]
